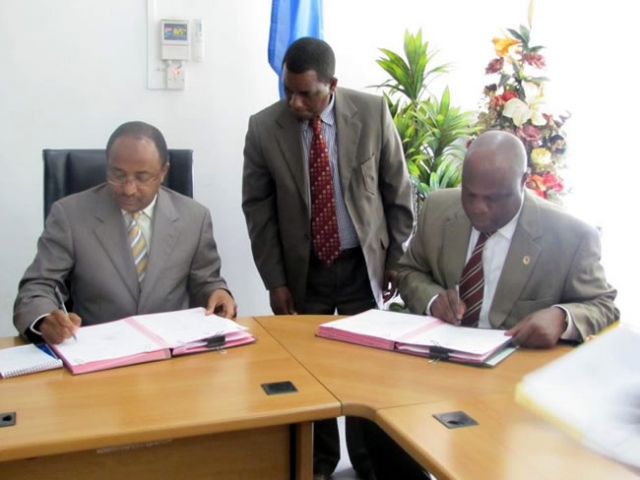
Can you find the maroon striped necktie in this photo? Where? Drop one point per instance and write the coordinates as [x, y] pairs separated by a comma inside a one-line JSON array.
[[324, 222], [472, 283]]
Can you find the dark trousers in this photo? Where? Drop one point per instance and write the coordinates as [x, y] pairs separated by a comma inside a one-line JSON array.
[[344, 288], [388, 459]]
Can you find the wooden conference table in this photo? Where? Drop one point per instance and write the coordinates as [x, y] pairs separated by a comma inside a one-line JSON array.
[[402, 392], [206, 416], [200, 416]]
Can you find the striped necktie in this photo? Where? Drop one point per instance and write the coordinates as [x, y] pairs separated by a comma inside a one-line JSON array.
[[472, 283], [138, 246], [324, 222]]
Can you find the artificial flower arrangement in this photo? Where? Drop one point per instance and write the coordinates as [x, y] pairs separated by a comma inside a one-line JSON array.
[[515, 103]]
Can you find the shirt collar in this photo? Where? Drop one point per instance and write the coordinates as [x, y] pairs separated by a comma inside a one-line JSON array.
[[148, 210], [327, 115]]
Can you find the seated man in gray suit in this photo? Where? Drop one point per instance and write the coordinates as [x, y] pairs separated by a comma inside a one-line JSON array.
[[127, 247], [493, 255]]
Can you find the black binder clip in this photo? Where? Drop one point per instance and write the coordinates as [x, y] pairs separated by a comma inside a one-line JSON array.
[[439, 353], [217, 341]]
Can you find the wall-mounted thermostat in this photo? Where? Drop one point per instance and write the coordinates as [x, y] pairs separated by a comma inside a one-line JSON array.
[[175, 39]]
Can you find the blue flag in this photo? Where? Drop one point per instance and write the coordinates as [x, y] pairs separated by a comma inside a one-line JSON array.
[[290, 20]]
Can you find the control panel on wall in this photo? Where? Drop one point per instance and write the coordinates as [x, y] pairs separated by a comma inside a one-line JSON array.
[[175, 49], [181, 41]]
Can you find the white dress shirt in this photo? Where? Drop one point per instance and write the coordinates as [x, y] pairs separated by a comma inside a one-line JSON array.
[[493, 257]]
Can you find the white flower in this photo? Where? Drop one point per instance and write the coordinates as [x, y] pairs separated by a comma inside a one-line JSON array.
[[520, 112]]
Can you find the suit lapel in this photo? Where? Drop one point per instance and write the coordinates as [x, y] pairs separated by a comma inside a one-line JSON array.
[[520, 262], [165, 236], [111, 234], [348, 129], [289, 140], [455, 242]]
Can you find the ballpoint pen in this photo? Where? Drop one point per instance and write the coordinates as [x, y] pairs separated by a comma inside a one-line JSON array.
[[63, 307]]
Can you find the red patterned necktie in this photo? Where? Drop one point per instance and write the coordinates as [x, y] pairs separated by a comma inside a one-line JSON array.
[[472, 283], [324, 223]]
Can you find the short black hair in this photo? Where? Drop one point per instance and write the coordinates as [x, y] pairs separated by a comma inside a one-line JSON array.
[[141, 130], [308, 53]]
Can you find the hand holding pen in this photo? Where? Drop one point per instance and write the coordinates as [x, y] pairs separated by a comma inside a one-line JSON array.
[[59, 324], [448, 306]]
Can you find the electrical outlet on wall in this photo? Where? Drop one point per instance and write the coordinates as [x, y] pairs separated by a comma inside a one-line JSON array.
[[175, 77]]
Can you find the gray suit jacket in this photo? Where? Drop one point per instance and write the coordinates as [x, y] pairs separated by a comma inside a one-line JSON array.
[[84, 240], [554, 259], [373, 176]]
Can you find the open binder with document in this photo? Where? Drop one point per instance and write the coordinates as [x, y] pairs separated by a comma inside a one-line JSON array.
[[421, 335], [593, 394], [147, 338]]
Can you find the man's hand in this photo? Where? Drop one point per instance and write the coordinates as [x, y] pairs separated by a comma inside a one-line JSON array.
[[281, 301], [222, 303], [541, 329], [390, 286], [448, 307], [58, 326]]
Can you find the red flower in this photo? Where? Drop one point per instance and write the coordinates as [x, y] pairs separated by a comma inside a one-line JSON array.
[[508, 95], [551, 182], [535, 183], [534, 59], [531, 134], [495, 65], [497, 102]]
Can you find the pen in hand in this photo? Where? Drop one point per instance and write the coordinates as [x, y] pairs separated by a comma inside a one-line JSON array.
[[63, 307], [457, 288]]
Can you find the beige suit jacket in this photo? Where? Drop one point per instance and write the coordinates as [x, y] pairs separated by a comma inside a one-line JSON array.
[[84, 240], [373, 176], [554, 259]]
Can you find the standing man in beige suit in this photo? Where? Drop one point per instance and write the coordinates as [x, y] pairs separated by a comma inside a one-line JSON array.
[[365, 204]]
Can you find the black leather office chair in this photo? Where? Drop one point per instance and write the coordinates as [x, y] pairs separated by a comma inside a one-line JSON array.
[[74, 170]]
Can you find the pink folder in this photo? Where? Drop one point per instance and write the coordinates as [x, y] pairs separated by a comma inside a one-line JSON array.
[[154, 349], [138, 340], [420, 335]]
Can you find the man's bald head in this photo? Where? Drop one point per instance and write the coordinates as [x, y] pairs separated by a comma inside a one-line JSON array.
[[493, 176]]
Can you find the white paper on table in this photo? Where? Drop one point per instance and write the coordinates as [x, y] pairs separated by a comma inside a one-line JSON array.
[[594, 392], [381, 324], [105, 342], [186, 326], [470, 340]]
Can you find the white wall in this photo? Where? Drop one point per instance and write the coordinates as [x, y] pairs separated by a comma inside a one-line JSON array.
[[72, 70]]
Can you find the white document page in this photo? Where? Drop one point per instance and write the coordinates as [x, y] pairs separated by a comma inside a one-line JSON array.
[[381, 324], [470, 340], [595, 391], [106, 341], [186, 326]]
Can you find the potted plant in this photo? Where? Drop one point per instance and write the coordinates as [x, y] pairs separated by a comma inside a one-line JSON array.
[[433, 132]]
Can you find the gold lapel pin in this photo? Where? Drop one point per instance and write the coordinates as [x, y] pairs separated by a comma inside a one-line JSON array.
[[526, 259]]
